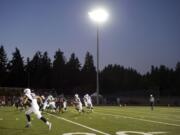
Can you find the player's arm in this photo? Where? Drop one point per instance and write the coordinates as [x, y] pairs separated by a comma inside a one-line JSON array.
[[25, 100], [53, 100], [76, 101], [40, 99]]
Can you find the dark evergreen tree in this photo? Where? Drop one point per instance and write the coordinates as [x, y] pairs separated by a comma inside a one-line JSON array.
[[39, 71], [16, 70], [69, 78], [3, 67], [27, 73], [161, 80], [73, 72], [34, 70], [177, 79], [116, 79], [89, 74], [59, 81], [46, 71]]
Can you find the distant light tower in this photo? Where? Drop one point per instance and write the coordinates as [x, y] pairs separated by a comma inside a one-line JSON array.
[[99, 16]]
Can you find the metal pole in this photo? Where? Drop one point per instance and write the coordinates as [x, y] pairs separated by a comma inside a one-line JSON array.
[[97, 75]]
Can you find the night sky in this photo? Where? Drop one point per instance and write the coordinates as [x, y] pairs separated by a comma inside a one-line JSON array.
[[138, 33]]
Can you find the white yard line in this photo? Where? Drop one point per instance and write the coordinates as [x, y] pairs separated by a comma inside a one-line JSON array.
[[137, 114], [81, 125], [140, 119]]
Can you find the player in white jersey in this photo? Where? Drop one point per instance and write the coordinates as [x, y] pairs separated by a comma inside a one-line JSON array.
[[85, 100], [78, 104], [31, 98], [64, 104], [88, 102], [50, 103]]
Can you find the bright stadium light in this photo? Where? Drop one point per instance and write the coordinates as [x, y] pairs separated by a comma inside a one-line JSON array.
[[99, 16]]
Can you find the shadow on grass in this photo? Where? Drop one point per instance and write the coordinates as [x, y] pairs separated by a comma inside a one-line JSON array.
[[4, 109], [21, 129], [14, 129]]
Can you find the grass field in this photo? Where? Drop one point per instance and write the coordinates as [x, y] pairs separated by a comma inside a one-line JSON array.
[[103, 121]]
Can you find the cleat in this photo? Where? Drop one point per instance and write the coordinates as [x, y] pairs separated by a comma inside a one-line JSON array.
[[28, 126], [50, 125]]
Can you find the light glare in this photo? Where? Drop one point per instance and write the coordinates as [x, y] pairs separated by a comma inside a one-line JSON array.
[[98, 15]]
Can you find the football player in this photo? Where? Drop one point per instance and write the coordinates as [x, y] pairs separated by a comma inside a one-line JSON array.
[[77, 103], [85, 100], [88, 102], [31, 98], [49, 103], [64, 104]]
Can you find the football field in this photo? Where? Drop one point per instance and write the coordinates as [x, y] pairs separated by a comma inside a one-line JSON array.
[[103, 121]]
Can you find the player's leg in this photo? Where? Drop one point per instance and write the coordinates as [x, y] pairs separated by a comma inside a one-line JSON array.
[[81, 108], [44, 106], [54, 106], [85, 104], [78, 108], [39, 116], [28, 117], [90, 107], [64, 106], [151, 106]]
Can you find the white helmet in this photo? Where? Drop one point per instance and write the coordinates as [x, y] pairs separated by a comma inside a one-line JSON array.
[[151, 95], [27, 91], [76, 95], [50, 96]]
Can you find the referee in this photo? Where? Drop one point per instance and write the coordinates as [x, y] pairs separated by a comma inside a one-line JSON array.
[[152, 102]]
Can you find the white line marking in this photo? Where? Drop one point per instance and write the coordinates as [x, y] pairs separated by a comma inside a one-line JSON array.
[[138, 132], [157, 132], [79, 133], [136, 114], [149, 112], [81, 125], [159, 122], [116, 117]]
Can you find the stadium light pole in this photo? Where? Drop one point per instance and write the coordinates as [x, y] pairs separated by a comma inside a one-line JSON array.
[[99, 16]]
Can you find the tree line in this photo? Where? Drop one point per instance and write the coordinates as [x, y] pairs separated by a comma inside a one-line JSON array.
[[69, 76]]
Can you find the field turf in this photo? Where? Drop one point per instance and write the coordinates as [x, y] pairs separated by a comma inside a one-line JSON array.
[[103, 121]]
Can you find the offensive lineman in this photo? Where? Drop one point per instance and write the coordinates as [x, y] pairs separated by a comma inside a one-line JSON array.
[[61, 104], [88, 102], [64, 104], [31, 98], [78, 104], [50, 103]]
